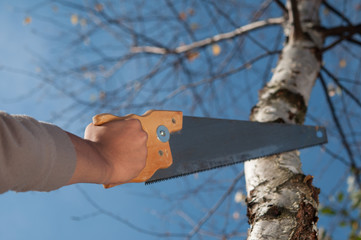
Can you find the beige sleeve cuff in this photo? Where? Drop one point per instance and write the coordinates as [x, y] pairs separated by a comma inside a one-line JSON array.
[[34, 156]]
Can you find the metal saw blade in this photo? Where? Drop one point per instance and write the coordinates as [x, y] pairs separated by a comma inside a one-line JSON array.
[[207, 143]]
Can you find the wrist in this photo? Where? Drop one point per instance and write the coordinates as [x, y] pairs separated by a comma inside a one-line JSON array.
[[90, 166]]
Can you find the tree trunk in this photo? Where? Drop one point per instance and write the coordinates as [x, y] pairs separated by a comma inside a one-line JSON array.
[[282, 203]]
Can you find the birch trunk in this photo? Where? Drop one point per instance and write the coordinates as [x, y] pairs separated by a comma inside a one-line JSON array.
[[282, 203]]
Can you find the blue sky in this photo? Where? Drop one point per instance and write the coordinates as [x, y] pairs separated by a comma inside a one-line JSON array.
[[54, 215], [36, 215]]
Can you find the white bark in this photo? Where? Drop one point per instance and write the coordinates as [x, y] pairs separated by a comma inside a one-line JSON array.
[[282, 203]]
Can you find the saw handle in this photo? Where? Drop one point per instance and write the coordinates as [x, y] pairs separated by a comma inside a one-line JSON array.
[[159, 154]]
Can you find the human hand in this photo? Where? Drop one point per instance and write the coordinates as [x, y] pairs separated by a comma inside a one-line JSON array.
[[112, 153]]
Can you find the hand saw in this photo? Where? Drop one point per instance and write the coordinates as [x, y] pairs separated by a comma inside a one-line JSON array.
[[180, 145]]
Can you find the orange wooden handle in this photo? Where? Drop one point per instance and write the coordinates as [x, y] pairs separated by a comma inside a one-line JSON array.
[[159, 153]]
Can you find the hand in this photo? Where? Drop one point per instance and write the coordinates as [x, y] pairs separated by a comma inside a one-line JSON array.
[[115, 152], [122, 147]]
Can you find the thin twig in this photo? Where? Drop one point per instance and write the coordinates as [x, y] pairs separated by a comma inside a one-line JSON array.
[[335, 43], [336, 156], [216, 206], [205, 42], [336, 12], [338, 126], [282, 6], [264, 6], [354, 41], [350, 94], [341, 30], [183, 88], [124, 221]]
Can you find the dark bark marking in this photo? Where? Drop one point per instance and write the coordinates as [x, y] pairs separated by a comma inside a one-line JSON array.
[[254, 111], [314, 190], [279, 120], [275, 211], [305, 218], [291, 115], [317, 53], [306, 215], [294, 99], [251, 216], [302, 180]]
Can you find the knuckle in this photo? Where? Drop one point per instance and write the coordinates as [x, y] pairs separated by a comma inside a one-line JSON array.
[[139, 134], [143, 136], [134, 123], [89, 127]]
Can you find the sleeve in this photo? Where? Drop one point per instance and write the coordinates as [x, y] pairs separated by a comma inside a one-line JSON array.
[[34, 156]]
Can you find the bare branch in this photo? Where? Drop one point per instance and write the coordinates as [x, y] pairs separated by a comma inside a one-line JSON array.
[[297, 33], [262, 9], [335, 43], [338, 125], [336, 156], [224, 14], [124, 221], [282, 6], [218, 77], [341, 30], [350, 94], [336, 12], [216, 206], [205, 42], [184, 24], [354, 41]]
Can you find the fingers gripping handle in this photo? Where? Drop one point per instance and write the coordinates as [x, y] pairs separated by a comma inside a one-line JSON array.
[[159, 154]]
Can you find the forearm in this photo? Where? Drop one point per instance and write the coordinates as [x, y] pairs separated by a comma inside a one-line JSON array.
[[90, 167], [36, 156], [33, 155]]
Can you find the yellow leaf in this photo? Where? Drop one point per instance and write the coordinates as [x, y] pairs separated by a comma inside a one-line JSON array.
[[182, 16], [358, 7], [191, 56], [331, 89], [102, 95], [83, 22], [239, 197], [216, 49], [236, 215], [99, 7], [93, 97], [191, 11], [27, 20], [342, 63], [354, 225], [74, 19], [194, 26], [37, 69], [101, 68]]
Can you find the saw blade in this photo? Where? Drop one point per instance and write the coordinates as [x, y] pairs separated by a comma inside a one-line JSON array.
[[208, 143]]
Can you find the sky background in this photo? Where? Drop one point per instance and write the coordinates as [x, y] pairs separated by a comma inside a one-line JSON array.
[[56, 215], [51, 215]]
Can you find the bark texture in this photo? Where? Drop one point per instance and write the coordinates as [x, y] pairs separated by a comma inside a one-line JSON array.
[[282, 202]]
